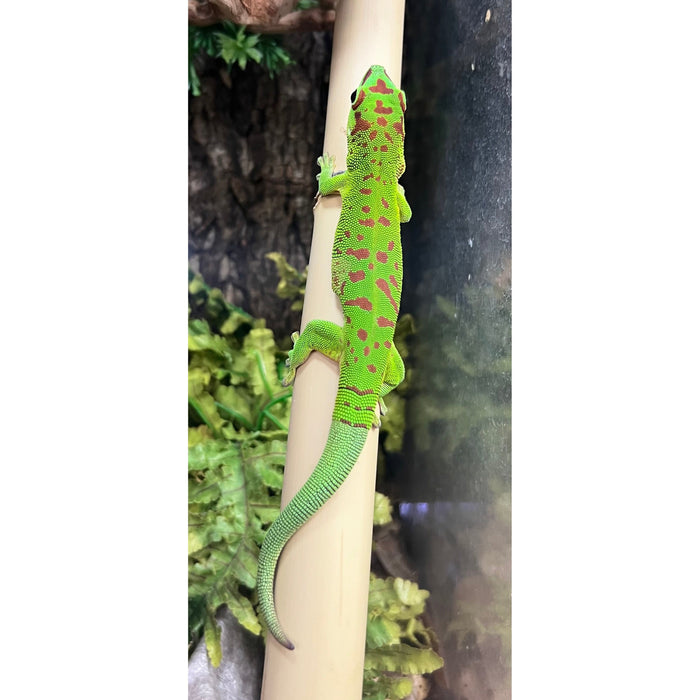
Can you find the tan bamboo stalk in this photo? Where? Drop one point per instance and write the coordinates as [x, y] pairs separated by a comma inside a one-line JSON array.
[[322, 579]]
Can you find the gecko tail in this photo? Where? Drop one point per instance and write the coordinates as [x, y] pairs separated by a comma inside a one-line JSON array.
[[342, 449]]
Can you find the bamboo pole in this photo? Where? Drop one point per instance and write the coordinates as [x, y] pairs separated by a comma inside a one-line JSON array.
[[322, 579]]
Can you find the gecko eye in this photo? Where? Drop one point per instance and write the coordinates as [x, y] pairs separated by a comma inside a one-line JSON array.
[[353, 96]]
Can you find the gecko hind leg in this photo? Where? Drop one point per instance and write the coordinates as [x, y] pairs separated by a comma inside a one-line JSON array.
[[324, 336], [393, 376]]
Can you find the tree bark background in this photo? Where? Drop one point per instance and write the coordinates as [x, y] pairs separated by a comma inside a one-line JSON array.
[[253, 145]]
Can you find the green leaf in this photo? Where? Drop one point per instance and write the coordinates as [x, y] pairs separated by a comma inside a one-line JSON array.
[[382, 632], [212, 637], [292, 284], [382, 509], [404, 659]]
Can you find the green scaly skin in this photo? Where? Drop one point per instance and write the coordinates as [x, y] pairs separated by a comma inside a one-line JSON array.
[[367, 277]]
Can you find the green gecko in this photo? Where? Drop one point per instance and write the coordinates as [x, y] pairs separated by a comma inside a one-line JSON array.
[[367, 277]]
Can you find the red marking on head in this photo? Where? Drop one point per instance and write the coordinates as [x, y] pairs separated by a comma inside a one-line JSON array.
[[384, 222], [388, 137], [393, 281], [376, 344], [349, 320], [378, 178], [402, 102], [384, 148], [384, 322], [385, 204], [362, 302], [382, 88], [360, 254], [396, 265], [354, 359], [366, 222], [360, 237], [347, 234], [381, 121], [366, 351], [366, 209], [362, 334], [381, 109], [398, 127], [367, 74], [375, 148], [360, 124], [366, 190], [381, 256], [371, 368], [371, 266], [347, 342], [357, 276], [372, 134], [387, 344], [352, 350], [368, 177], [382, 284], [391, 245]]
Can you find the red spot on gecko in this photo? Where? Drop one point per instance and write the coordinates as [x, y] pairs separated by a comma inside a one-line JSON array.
[[362, 334], [381, 87], [398, 127], [366, 190], [382, 284], [385, 204], [381, 256], [387, 344], [373, 135], [347, 234], [371, 266], [384, 148], [384, 322], [360, 124], [393, 281], [366, 209], [401, 101], [371, 368], [381, 109], [366, 351], [368, 177], [362, 302], [388, 136], [367, 74], [359, 392], [349, 320], [384, 222], [360, 253], [354, 359], [366, 222], [396, 265], [376, 344], [357, 276], [360, 237], [391, 245]]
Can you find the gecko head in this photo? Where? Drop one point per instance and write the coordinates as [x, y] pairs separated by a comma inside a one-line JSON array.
[[376, 119]]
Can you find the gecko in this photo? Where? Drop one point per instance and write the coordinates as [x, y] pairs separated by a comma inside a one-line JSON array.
[[367, 276]]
